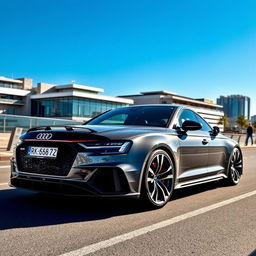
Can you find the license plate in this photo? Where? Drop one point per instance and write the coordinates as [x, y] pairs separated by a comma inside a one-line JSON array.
[[42, 152]]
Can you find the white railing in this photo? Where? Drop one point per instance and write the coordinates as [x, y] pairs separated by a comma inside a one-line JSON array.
[[8, 122]]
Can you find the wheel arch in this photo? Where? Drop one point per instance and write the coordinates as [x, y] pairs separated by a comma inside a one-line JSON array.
[[228, 164]]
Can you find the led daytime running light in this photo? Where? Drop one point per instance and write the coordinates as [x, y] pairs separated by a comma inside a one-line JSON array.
[[112, 147]]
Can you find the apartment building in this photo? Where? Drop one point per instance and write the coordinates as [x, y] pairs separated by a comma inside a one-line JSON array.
[[15, 95]]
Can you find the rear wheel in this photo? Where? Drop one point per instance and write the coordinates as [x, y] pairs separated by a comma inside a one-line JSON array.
[[235, 167], [158, 179]]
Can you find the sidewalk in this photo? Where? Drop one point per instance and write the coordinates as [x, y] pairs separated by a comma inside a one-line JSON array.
[[248, 146], [5, 155]]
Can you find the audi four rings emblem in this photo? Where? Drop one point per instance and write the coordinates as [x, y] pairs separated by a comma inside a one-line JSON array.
[[44, 136]]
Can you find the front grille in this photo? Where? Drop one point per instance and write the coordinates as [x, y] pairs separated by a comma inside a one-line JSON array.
[[60, 166]]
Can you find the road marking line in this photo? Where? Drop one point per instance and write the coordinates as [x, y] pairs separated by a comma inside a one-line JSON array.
[[142, 231], [3, 184], [5, 166]]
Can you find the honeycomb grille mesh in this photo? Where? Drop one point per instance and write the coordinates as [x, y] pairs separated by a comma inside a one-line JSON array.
[[59, 166]]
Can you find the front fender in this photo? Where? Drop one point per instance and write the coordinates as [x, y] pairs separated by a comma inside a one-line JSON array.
[[144, 146]]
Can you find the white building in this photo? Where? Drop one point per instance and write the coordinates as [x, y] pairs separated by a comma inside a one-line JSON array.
[[82, 102], [14, 95], [73, 101], [206, 108], [70, 101]]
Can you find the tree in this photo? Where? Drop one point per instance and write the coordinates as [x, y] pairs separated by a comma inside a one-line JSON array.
[[242, 121], [224, 121], [254, 124]]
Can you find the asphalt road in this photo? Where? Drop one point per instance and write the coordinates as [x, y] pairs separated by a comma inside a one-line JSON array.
[[34, 224]]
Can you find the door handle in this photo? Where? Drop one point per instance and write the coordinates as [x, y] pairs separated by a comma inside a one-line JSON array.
[[205, 141]]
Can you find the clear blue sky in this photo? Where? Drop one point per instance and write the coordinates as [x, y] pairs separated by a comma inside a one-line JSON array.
[[196, 48]]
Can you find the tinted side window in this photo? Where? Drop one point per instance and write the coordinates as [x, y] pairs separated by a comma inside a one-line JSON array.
[[187, 115], [141, 115], [205, 125]]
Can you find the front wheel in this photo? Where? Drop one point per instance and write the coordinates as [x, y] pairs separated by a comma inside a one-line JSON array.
[[158, 181], [235, 167]]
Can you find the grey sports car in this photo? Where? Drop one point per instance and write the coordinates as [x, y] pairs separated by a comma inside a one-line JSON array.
[[141, 151]]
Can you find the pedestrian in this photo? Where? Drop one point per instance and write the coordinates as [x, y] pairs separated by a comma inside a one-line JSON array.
[[249, 133]]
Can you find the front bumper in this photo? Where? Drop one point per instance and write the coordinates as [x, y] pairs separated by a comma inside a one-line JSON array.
[[90, 176]]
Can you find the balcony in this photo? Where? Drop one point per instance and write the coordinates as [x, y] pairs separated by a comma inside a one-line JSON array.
[[12, 102]]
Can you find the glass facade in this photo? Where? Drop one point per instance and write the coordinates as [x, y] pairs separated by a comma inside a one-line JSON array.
[[10, 85], [11, 99], [72, 107], [8, 109], [234, 106]]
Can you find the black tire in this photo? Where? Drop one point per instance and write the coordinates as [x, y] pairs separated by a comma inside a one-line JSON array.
[[158, 179], [235, 167]]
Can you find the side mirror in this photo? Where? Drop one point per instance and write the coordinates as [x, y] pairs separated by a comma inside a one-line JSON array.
[[215, 130], [191, 126]]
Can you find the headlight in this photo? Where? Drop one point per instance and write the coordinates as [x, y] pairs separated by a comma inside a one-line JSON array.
[[18, 142], [108, 147], [14, 148]]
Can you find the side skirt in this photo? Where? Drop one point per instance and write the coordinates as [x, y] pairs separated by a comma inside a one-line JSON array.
[[200, 181]]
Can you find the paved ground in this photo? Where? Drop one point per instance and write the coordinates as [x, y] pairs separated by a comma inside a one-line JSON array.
[[32, 224]]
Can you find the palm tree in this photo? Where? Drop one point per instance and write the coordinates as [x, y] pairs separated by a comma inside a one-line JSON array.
[[224, 120], [242, 121]]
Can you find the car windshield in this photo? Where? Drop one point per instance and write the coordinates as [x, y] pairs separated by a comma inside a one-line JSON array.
[[143, 115]]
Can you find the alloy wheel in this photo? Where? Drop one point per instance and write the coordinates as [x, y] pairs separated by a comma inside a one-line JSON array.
[[236, 165], [159, 179]]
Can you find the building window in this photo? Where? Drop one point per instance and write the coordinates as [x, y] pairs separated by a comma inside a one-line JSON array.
[[10, 85], [72, 107]]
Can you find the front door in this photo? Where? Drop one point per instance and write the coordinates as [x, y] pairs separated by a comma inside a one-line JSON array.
[[193, 149], [216, 149]]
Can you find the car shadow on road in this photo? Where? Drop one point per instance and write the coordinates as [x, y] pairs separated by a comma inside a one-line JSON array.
[[21, 208], [193, 190], [253, 253]]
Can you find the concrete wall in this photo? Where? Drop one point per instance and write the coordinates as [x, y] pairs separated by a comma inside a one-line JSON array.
[[44, 87], [27, 83], [146, 99], [4, 139]]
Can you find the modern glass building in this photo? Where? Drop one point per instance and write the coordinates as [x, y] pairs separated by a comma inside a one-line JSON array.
[[71, 107], [73, 101], [234, 106], [253, 118]]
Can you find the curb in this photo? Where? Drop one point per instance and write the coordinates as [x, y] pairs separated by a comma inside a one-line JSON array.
[[4, 159], [247, 148], [5, 156]]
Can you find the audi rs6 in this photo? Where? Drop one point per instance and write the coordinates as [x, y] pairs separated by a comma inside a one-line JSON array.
[[140, 151]]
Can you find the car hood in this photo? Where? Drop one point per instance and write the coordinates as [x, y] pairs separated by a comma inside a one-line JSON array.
[[90, 132], [124, 131]]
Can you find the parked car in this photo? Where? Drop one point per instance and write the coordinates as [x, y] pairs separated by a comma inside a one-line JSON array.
[[142, 151]]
